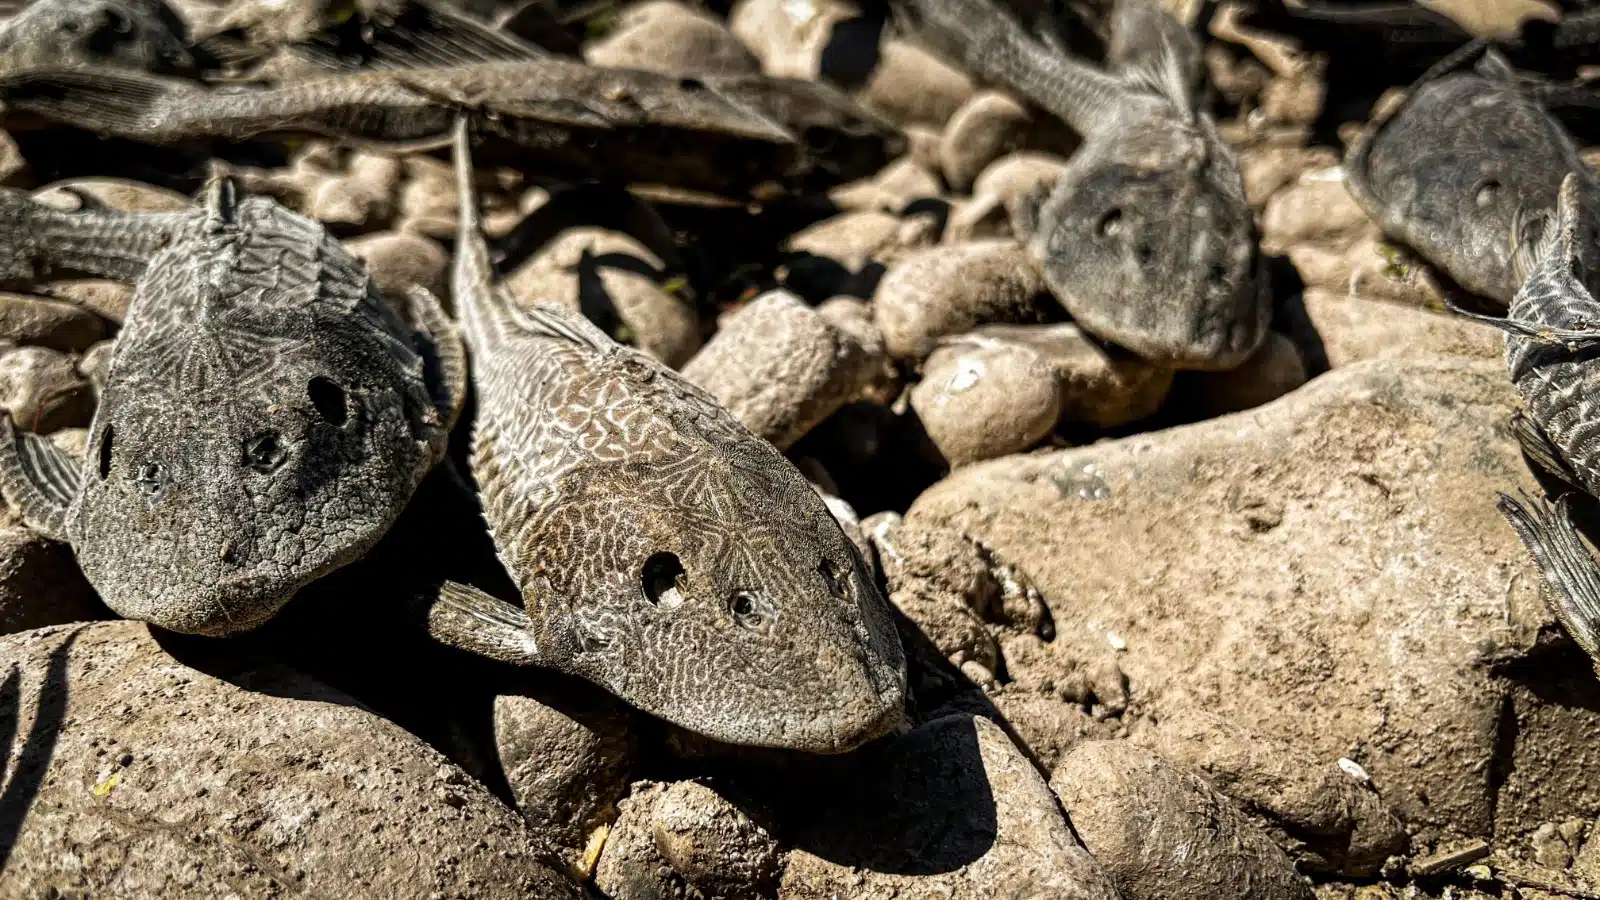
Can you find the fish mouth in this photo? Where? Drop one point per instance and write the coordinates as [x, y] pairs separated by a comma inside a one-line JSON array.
[[220, 608]]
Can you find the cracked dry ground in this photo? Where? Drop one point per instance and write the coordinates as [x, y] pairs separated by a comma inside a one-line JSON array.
[[1255, 634]]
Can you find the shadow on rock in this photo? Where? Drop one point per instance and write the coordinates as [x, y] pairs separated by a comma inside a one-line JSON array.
[[33, 758]]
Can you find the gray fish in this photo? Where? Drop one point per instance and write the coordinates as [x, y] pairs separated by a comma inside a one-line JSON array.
[[1448, 169], [266, 415], [662, 550], [1551, 350], [1147, 239], [134, 34], [563, 118]]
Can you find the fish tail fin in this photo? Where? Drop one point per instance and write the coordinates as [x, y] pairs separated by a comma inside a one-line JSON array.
[[123, 104]]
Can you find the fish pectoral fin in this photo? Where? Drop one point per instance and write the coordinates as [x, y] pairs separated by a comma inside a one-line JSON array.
[[100, 100], [444, 355], [466, 618], [39, 479], [1568, 568], [1539, 448]]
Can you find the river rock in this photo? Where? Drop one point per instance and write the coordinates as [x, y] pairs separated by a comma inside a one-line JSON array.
[[982, 400], [781, 367], [145, 778], [953, 810], [397, 259], [949, 290], [568, 754], [911, 86], [26, 319], [668, 37], [618, 284], [1328, 569], [42, 390], [40, 583], [1346, 329], [103, 297], [1275, 369], [1164, 834], [117, 193]]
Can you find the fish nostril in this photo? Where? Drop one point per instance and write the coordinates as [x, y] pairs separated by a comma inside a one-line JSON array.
[[752, 611], [152, 477]]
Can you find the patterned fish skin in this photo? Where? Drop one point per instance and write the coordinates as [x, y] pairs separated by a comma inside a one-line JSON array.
[[1447, 170], [1147, 238], [1551, 348], [265, 419], [662, 550]]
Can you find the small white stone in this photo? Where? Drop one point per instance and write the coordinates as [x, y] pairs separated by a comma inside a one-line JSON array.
[[1116, 641], [1354, 770]]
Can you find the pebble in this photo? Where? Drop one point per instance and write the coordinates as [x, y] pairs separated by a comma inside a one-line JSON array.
[[936, 292], [781, 367], [42, 390], [48, 323], [979, 401], [668, 37]]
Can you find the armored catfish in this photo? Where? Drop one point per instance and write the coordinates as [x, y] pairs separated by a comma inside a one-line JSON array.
[[1551, 346], [1146, 239], [134, 34], [1447, 170], [662, 550], [266, 415]]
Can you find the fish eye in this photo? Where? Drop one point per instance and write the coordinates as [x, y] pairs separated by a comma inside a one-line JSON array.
[[105, 453], [1110, 224], [751, 611], [837, 585], [664, 581], [152, 477], [329, 400], [1487, 193], [264, 452]]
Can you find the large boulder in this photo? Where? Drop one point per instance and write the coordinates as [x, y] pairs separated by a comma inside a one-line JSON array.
[[133, 775], [1328, 570]]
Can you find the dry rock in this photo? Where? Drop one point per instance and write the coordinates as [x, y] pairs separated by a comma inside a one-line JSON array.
[[40, 583], [567, 752], [1269, 167], [146, 778], [668, 37], [396, 259], [853, 316], [982, 400], [630, 867], [1327, 820], [833, 257], [987, 127], [1328, 569], [105, 298], [361, 197], [95, 365], [1315, 208], [1274, 370], [26, 319], [911, 86], [714, 844], [42, 390], [117, 193], [1349, 329], [949, 290], [1101, 385], [788, 38], [781, 367], [1164, 834], [952, 809], [997, 190], [617, 283], [1369, 267]]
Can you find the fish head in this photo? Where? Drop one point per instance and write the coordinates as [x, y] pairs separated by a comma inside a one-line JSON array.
[[738, 609], [146, 35], [203, 512], [1158, 259], [1449, 171]]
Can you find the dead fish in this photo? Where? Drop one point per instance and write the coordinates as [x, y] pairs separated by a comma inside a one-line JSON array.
[[135, 34], [1448, 169], [662, 550]]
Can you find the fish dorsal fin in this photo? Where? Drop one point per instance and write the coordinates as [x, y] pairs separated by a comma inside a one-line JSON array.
[[1494, 65], [421, 35], [1154, 52], [549, 320], [38, 478], [1164, 75]]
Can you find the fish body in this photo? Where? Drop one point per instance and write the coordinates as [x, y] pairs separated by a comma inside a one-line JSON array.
[[1448, 169], [1146, 238], [662, 550], [266, 414]]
